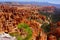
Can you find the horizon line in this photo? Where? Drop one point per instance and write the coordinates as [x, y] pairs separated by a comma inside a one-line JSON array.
[[28, 1]]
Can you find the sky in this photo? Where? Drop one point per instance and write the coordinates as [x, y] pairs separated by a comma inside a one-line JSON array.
[[49, 1]]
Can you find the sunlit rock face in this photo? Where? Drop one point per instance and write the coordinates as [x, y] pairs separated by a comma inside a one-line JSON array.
[[5, 36]]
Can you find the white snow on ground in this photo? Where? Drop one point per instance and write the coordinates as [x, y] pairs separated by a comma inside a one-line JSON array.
[[5, 36]]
